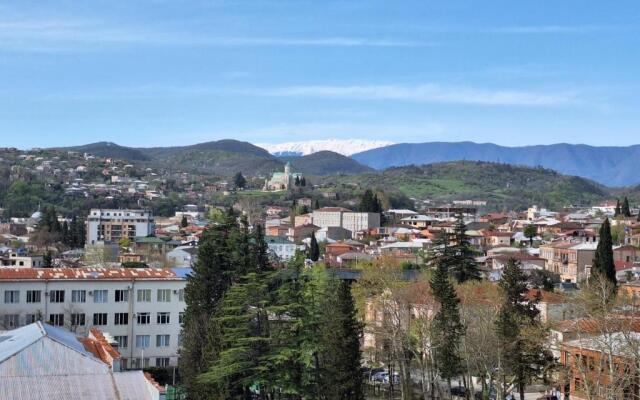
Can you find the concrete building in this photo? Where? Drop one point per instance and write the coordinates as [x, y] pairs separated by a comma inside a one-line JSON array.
[[15, 260], [282, 248], [109, 225], [140, 307], [341, 217]]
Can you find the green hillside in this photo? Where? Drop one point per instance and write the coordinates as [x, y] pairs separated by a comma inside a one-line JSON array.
[[327, 163], [501, 185]]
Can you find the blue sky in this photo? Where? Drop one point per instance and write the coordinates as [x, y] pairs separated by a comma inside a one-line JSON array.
[[158, 73]]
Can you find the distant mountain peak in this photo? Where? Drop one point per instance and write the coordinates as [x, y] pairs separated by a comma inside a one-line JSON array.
[[346, 147]]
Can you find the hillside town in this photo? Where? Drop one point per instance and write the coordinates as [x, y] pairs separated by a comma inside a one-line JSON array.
[[119, 275]]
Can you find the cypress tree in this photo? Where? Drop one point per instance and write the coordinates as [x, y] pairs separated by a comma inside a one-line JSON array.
[[369, 202], [521, 353], [447, 326], [603, 264], [618, 210], [314, 249], [340, 349], [47, 260], [625, 210], [464, 266], [184, 222], [316, 205]]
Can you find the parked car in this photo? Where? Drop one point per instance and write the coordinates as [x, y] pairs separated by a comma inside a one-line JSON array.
[[459, 391]]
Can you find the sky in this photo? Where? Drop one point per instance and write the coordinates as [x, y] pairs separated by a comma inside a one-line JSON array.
[[159, 73]]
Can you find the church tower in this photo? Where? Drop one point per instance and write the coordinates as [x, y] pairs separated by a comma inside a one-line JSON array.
[[287, 175]]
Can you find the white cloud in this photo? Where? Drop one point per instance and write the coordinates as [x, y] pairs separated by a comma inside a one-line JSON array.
[[428, 93]]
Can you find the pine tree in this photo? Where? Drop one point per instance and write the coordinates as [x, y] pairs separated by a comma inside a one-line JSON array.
[[259, 249], [464, 266], [239, 181], [314, 249], [625, 210], [447, 327], [368, 202], [603, 264], [340, 351], [522, 352]]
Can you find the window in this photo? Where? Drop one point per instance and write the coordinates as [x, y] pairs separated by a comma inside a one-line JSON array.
[[162, 340], [56, 319], [138, 363], [121, 319], [181, 318], [34, 296], [162, 361], [142, 341], [122, 295], [78, 319], [144, 318], [31, 318], [78, 296], [123, 341], [11, 321], [164, 295], [100, 319], [181, 294], [11, 296], [144, 295], [56, 296], [100, 296], [163, 318]]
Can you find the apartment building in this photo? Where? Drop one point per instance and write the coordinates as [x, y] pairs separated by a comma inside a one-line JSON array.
[[141, 308], [341, 217], [571, 260], [15, 260], [110, 225]]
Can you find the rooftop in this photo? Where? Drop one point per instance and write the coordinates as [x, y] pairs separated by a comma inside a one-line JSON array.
[[88, 273]]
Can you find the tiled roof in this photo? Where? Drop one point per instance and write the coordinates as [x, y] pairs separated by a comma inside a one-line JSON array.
[[88, 273]]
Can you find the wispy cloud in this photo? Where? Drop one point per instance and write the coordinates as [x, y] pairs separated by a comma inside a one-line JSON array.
[[69, 35], [428, 93], [550, 29]]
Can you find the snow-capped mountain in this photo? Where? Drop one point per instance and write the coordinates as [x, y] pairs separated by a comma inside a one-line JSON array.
[[345, 147]]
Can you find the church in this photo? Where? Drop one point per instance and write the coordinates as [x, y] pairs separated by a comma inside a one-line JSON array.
[[282, 180]]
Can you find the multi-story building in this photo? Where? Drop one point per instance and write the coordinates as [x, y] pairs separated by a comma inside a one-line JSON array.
[[283, 248], [13, 259], [341, 217], [140, 307], [571, 260], [110, 225]]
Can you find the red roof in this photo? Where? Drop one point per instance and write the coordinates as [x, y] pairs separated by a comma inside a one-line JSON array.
[[86, 273]]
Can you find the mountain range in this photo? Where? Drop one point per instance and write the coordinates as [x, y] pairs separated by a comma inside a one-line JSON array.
[[611, 166], [346, 147]]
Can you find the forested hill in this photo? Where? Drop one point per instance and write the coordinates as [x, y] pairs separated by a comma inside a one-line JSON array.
[[502, 185], [612, 166]]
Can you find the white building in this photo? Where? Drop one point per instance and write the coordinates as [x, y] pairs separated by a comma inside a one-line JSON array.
[[15, 260], [140, 307], [341, 217], [281, 247], [109, 225]]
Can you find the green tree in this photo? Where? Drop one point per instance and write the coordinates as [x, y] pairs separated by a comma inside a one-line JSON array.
[[184, 222], [463, 265], [239, 181], [314, 249], [447, 327], [518, 328], [530, 231], [625, 210], [618, 210], [47, 260], [603, 264]]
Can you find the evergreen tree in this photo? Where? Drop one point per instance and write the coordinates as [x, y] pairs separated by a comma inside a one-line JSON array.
[[316, 205], [340, 351], [239, 181], [303, 182], [464, 266], [530, 231], [67, 239], [618, 209], [522, 352], [47, 260], [184, 222], [368, 202], [603, 264], [625, 210], [314, 249], [447, 327], [296, 182], [259, 249]]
